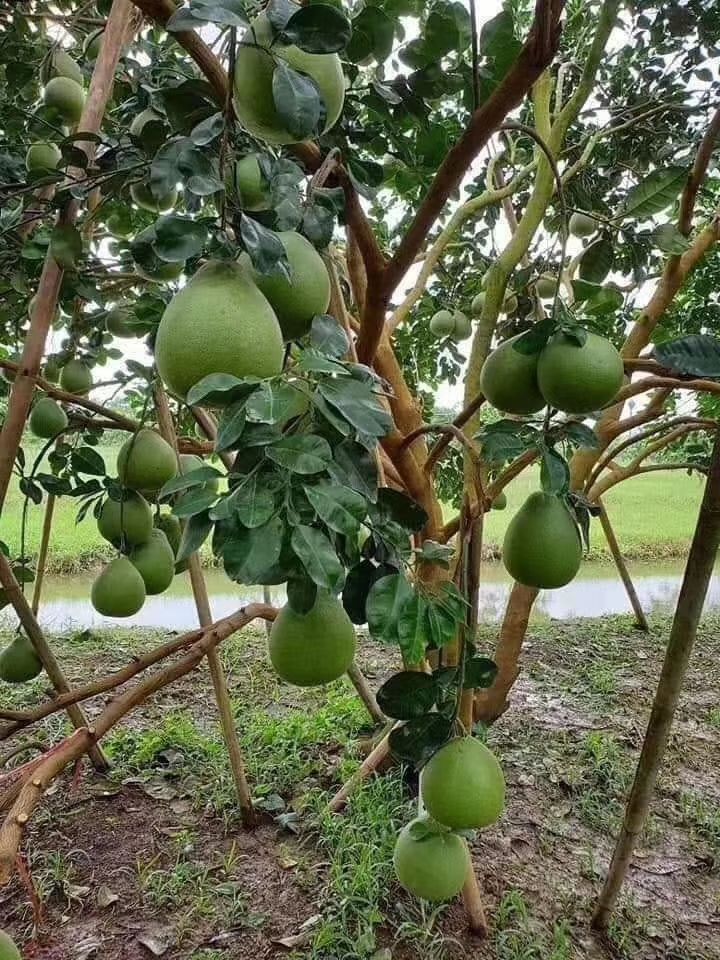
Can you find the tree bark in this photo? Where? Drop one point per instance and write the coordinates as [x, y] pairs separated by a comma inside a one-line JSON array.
[[688, 612]]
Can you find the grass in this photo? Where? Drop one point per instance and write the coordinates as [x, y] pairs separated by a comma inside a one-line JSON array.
[[634, 508], [520, 937]]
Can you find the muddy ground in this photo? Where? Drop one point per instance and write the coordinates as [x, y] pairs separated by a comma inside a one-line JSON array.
[[152, 861]]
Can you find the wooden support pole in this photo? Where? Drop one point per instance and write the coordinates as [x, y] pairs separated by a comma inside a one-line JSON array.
[[640, 618], [698, 572], [365, 692], [37, 638], [217, 674], [42, 555]]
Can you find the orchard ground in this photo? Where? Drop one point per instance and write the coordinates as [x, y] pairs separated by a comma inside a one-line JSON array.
[[635, 507], [154, 859]]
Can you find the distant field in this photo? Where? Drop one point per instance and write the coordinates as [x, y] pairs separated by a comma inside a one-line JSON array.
[[653, 517]]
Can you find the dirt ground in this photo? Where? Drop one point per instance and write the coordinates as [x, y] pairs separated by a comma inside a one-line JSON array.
[[151, 861]]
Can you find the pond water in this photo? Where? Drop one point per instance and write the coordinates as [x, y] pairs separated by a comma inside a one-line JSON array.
[[597, 591]]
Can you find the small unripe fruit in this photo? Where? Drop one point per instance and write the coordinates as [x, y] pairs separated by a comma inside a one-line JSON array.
[[581, 225], [76, 377], [42, 156], [66, 96], [430, 865], [47, 418], [147, 200]]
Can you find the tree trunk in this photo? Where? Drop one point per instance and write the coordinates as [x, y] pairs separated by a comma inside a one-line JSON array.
[[696, 581]]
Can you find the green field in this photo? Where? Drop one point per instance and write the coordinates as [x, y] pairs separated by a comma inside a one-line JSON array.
[[653, 515]]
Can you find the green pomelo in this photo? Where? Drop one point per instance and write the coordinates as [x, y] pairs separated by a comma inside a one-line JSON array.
[[253, 85], [434, 867], [442, 323], [579, 379], [137, 521], [545, 286], [76, 377], [60, 64], [499, 502], [581, 225], [218, 323], [91, 44], [190, 462], [307, 294], [462, 785], [117, 322], [462, 325], [147, 200], [172, 528], [119, 223], [66, 96], [118, 591], [18, 664], [309, 649], [245, 182], [47, 418], [155, 562], [508, 379], [160, 272], [478, 302], [42, 156], [51, 370], [8, 950], [146, 461], [542, 546]]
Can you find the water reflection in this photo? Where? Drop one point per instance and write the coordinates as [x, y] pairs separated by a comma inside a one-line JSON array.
[[596, 592]]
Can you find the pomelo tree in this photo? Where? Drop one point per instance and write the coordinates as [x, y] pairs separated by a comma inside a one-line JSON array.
[[287, 227]]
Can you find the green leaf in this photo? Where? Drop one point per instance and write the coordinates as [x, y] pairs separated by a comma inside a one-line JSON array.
[[65, 245], [87, 460], [359, 405], [432, 552], [407, 694], [654, 193], [554, 472], [301, 594], [219, 389], [231, 426], [328, 337], [668, 238], [505, 440], [697, 355], [401, 508], [479, 672], [417, 740], [297, 100], [229, 12], [250, 555], [536, 337], [208, 130], [185, 481], [178, 238], [357, 467], [373, 33], [264, 248], [276, 402], [253, 502], [194, 501], [318, 28], [30, 489], [413, 631], [597, 260], [195, 533], [386, 600], [357, 586], [318, 556], [338, 507], [306, 454], [579, 434]]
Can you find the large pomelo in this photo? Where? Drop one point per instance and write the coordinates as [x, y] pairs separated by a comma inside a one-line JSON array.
[[463, 786], [442, 323], [147, 200], [137, 520], [47, 418], [19, 663], [119, 590], [66, 96], [254, 70], [582, 225], [8, 950], [219, 323], [542, 546], [42, 155], [59, 63], [430, 865], [76, 377], [146, 461], [190, 462], [306, 294], [309, 649], [509, 379], [579, 379], [155, 562]]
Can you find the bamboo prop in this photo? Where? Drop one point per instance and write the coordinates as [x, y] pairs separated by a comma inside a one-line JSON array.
[[365, 692], [217, 674], [369, 765], [612, 541], [71, 749], [698, 572], [43, 552], [53, 669]]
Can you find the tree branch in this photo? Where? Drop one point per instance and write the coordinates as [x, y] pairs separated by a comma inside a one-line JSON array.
[[697, 174]]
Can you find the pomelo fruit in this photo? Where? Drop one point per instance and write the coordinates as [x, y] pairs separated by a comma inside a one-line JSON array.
[[137, 520], [156, 203], [19, 663], [430, 865], [118, 591], [76, 377], [170, 525], [42, 156], [119, 223], [462, 785], [579, 379], [117, 322], [51, 370], [309, 649], [155, 562], [47, 418], [478, 302], [59, 63], [542, 546], [508, 379], [499, 502], [146, 461], [66, 96], [254, 68], [462, 325], [581, 225], [8, 950], [244, 181], [190, 462], [545, 286], [509, 304], [91, 44], [218, 323], [148, 115], [442, 323], [298, 300]]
